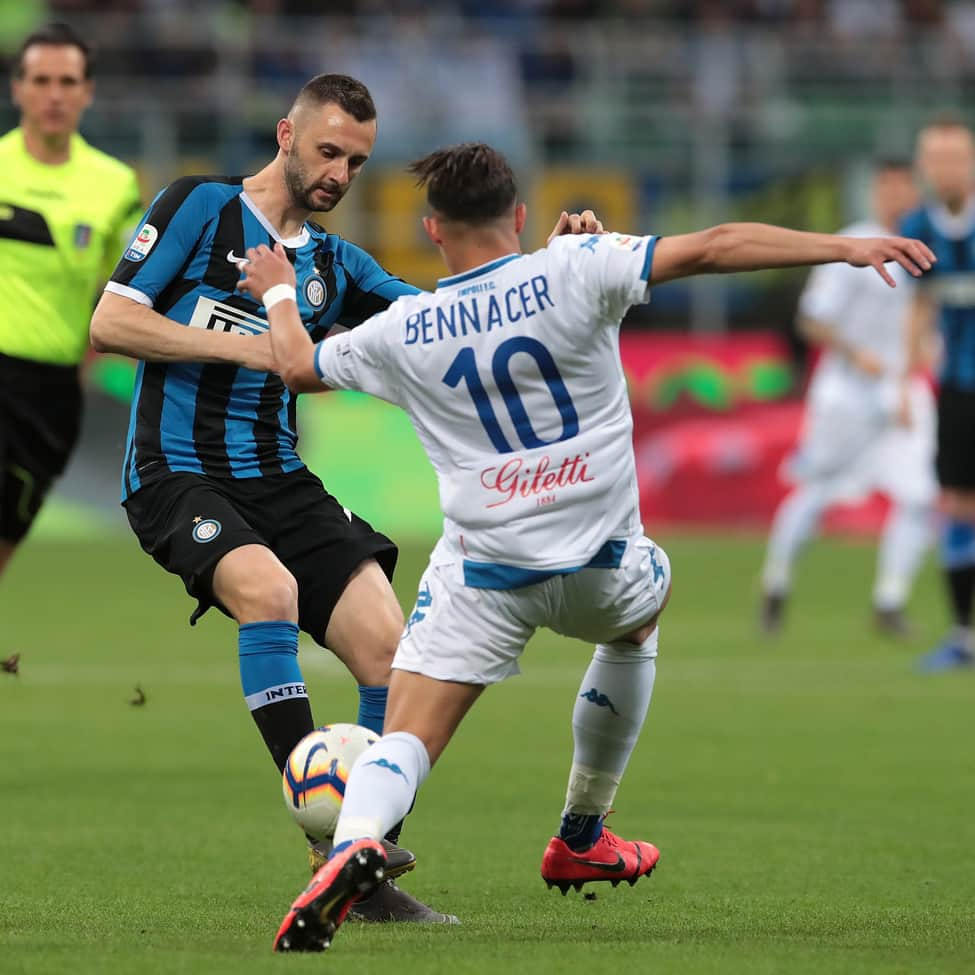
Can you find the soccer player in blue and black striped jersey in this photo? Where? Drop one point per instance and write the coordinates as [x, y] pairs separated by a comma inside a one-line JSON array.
[[946, 223], [212, 483]]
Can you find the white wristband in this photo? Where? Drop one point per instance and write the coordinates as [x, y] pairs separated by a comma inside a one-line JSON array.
[[278, 293]]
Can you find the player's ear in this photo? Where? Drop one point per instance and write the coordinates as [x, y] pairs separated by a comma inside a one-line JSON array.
[[521, 214], [286, 134], [432, 226]]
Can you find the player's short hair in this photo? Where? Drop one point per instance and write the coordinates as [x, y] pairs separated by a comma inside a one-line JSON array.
[[339, 89], [947, 120], [53, 35], [471, 183], [897, 164]]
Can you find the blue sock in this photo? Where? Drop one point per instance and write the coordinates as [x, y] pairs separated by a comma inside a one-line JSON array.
[[372, 707], [579, 831], [273, 686], [957, 544]]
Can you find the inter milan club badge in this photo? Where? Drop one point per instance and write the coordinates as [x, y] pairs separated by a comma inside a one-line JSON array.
[[205, 529], [315, 291], [82, 235]]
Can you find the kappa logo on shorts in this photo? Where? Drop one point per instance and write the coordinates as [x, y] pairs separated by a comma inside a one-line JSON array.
[[424, 600], [205, 529], [658, 570]]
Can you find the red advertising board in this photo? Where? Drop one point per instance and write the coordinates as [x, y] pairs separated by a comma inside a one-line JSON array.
[[714, 418]]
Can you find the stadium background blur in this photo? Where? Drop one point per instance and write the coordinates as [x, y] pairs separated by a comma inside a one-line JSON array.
[[812, 797], [663, 116]]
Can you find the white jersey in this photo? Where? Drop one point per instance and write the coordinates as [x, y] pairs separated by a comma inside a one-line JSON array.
[[864, 310], [512, 377]]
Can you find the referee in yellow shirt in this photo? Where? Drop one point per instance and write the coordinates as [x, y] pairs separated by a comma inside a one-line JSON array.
[[65, 212]]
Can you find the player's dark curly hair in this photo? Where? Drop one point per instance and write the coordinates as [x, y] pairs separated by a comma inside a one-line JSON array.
[[472, 183], [350, 95], [53, 35]]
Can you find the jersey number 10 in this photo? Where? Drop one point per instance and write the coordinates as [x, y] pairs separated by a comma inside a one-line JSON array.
[[464, 367]]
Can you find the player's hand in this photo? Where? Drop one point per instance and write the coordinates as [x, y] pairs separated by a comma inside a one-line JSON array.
[[912, 255], [257, 353], [576, 223], [869, 364], [264, 269]]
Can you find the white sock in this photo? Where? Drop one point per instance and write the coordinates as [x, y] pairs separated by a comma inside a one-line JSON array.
[[793, 525], [382, 786], [609, 712], [907, 534]]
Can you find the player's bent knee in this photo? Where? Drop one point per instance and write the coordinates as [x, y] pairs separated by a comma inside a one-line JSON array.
[[273, 597], [627, 651]]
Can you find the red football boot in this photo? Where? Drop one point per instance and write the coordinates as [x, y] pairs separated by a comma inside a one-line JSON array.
[[609, 858], [323, 905]]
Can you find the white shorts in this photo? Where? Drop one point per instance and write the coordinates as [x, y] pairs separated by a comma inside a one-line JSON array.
[[475, 636], [852, 442]]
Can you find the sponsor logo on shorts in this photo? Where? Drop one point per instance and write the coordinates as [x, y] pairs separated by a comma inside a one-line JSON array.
[[142, 243], [315, 291], [82, 235], [658, 570], [206, 529], [424, 600]]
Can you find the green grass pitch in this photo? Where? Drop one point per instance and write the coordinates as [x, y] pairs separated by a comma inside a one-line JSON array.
[[814, 800]]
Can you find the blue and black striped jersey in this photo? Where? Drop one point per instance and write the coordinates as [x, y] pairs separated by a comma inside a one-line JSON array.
[[952, 283], [217, 419]]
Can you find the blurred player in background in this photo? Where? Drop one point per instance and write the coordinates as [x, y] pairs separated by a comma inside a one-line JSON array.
[[213, 485], [946, 160], [854, 440], [66, 212], [510, 372]]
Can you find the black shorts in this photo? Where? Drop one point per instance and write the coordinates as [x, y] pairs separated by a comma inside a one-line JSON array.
[[188, 522], [956, 438], [40, 420]]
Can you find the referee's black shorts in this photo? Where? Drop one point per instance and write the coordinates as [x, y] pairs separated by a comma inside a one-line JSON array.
[[40, 420], [188, 522], [956, 438]]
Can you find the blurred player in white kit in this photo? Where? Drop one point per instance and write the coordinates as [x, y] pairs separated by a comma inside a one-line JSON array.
[[856, 438], [510, 372]]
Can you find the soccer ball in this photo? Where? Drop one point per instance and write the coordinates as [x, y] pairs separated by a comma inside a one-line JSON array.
[[316, 772]]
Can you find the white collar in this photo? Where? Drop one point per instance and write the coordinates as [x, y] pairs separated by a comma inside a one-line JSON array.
[[954, 226], [293, 242]]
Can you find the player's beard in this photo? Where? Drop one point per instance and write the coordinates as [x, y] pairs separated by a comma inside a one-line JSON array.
[[300, 189]]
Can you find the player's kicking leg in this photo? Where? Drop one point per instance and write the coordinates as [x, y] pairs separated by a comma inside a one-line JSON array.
[[423, 715], [363, 632]]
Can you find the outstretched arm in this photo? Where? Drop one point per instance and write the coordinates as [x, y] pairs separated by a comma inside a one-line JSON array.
[[756, 246], [270, 279]]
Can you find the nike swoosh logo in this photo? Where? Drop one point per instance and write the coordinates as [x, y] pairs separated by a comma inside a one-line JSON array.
[[234, 259], [617, 867]]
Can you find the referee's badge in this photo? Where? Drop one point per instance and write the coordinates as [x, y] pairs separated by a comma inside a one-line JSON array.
[[82, 235], [315, 291], [205, 529]]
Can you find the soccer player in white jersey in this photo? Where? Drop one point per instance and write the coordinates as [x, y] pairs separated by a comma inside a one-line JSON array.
[[510, 372], [853, 439]]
